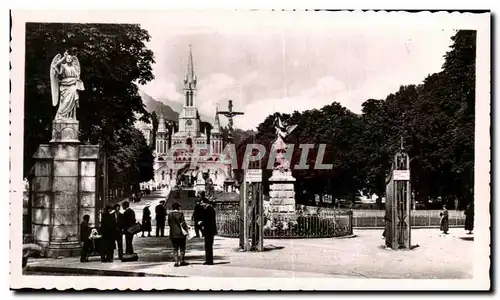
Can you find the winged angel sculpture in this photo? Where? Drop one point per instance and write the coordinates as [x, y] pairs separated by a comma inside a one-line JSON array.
[[282, 131], [65, 84]]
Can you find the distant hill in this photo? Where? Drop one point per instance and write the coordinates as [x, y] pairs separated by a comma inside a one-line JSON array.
[[157, 106], [177, 106], [171, 109]]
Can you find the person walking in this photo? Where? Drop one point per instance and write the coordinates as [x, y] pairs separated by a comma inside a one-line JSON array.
[[197, 217], [469, 218], [178, 232], [209, 228], [444, 226], [128, 221], [161, 214], [108, 233], [84, 238], [146, 220], [118, 216]]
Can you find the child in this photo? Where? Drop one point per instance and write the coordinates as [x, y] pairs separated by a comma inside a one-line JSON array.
[[84, 238]]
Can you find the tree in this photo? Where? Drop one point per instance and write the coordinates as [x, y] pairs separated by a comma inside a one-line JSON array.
[[132, 163], [436, 121]]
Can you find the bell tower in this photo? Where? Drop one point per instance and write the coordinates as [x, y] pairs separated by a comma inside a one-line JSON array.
[[188, 120]]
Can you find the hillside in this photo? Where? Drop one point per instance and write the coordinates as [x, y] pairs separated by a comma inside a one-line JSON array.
[[158, 106], [171, 109]]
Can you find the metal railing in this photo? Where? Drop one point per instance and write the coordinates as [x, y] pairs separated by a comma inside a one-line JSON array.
[[305, 224], [314, 222], [419, 218]]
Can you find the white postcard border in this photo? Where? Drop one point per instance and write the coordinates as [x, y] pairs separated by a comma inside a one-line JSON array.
[[479, 22]]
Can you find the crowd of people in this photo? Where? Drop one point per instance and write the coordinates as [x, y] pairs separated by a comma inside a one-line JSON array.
[[115, 226]]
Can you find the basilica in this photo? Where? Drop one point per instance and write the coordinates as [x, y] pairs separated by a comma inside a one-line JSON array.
[[187, 156]]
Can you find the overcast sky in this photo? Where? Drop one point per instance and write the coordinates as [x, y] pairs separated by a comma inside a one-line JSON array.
[[291, 66]]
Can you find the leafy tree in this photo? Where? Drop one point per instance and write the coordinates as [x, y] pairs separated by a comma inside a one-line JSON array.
[[132, 162], [436, 121]]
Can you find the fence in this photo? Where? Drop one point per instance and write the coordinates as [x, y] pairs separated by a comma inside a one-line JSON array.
[[333, 223], [314, 222], [419, 218]]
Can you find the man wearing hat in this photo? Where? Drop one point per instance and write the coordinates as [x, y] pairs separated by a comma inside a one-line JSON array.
[[209, 228], [198, 215], [161, 215]]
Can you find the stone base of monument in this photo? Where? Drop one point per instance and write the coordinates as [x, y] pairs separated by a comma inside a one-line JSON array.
[[64, 190], [282, 196], [63, 249], [65, 131]]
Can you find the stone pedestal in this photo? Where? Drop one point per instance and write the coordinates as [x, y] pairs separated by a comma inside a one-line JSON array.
[[282, 195], [64, 190]]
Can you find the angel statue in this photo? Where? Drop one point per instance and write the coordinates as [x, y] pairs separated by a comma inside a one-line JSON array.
[[279, 145], [65, 83], [282, 130]]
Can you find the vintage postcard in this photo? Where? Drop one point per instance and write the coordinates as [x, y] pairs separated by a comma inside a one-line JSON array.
[[250, 150]]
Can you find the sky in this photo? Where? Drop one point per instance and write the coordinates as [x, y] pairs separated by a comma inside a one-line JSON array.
[[268, 64]]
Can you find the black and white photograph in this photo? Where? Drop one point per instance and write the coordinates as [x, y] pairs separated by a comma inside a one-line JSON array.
[[226, 150]]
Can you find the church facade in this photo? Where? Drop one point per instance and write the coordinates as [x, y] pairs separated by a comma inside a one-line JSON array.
[[188, 156]]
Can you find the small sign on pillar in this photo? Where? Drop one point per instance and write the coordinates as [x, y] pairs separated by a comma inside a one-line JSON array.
[[401, 175], [253, 175]]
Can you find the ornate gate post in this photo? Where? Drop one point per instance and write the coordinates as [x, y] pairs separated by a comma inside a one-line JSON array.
[[251, 211], [398, 204]]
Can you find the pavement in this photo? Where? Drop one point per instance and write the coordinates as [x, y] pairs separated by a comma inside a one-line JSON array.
[[362, 256]]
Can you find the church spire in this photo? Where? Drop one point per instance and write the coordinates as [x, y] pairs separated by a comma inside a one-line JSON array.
[[161, 123], [190, 80]]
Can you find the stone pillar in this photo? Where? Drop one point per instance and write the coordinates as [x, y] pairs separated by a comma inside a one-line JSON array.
[[282, 195], [42, 196], [88, 160], [64, 189], [64, 239]]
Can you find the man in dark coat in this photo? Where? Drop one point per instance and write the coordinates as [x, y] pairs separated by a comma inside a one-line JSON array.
[[119, 230], [128, 221], [108, 233], [209, 227], [388, 228], [197, 217], [84, 238], [469, 218], [161, 215]]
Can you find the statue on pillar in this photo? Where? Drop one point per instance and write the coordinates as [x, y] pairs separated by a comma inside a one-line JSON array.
[[65, 85], [279, 145]]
